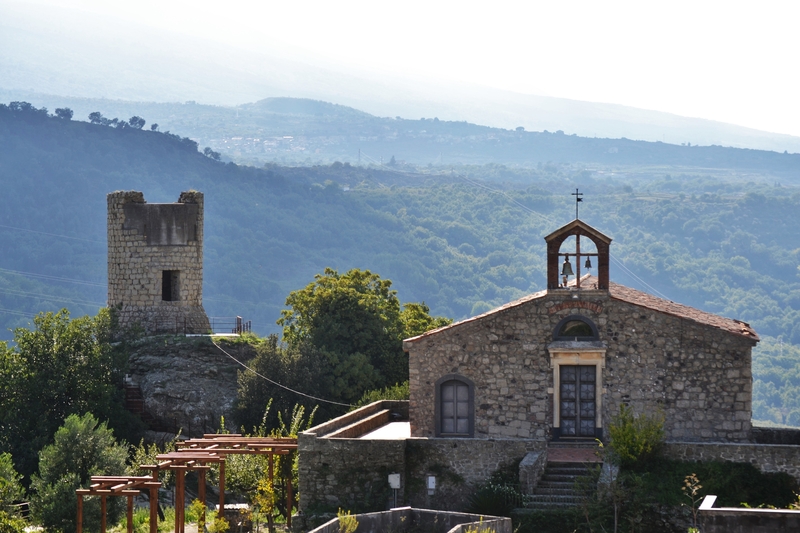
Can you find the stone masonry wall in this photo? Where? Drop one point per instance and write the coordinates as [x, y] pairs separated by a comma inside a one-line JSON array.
[[767, 457], [697, 374], [353, 473], [143, 241]]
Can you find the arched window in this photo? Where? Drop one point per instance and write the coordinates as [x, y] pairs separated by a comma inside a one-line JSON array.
[[455, 407], [575, 328]]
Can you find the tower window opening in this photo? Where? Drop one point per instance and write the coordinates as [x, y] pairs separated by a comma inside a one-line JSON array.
[[170, 285]]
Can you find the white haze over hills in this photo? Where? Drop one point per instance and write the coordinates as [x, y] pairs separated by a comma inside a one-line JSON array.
[[59, 51]]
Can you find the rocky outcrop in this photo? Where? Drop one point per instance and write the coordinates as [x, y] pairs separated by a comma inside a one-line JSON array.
[[187, 383]]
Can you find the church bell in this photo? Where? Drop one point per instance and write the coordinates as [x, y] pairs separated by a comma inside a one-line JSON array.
[[588, 263], [566, 268]]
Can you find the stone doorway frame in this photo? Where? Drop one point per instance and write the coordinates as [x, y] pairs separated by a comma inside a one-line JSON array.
[[565, 353]]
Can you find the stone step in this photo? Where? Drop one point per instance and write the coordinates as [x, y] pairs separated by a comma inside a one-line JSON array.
[[559, 477], [568, 471], [556, 484], [553, 498], [544, 506], [554, 491], [582, 443]]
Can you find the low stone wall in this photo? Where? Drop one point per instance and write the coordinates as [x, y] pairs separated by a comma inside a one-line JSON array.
[[531, 469], [735, 520], [352, 473], [762, 435], [767, 457], [407, 518]]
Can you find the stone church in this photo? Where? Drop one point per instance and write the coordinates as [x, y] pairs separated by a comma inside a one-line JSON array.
[[544, 372], [559, 363]]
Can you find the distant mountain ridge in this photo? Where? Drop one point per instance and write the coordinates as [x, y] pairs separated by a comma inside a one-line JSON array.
[[303, 131], [68, 52]]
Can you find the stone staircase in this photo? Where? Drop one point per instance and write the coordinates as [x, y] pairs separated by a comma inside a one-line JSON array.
[[134, 402], [567, 463]]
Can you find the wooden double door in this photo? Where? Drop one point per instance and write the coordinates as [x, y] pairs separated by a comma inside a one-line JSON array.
[[578, 400]]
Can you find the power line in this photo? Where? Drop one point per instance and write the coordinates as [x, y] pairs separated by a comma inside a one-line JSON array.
[[278, 384], [52, 278], [51, 234], [19, 313], [637, 278], [26, 294]]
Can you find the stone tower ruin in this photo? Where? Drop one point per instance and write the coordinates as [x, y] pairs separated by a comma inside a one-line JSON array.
[[155, 262]]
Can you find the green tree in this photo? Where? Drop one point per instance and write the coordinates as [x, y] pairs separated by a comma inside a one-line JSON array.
[[83, 447], [64, 113], [355, 322], [11, 492], [60, 367], [136, 122]]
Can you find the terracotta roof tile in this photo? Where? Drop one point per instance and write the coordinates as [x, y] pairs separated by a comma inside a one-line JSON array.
[[628, 295], [632, 296]]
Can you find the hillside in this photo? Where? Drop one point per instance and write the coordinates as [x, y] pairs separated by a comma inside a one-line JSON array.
[[76, 52], [461, 241], [302, 131]]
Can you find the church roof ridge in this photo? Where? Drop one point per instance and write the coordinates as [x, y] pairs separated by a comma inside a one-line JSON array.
[[643, 299], [627, 295]]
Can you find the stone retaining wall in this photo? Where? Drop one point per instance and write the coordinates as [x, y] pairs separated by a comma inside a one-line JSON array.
[[353, 473], [767, 457], [409, 519], [735, 520], [187, 383]]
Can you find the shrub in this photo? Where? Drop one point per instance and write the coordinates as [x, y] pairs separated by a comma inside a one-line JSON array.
[[11, 490], [635, 439], [11, 524], [347, 522], [83, 447]]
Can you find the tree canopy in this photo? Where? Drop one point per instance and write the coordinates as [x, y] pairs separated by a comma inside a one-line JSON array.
[[59, 368], [82, 447], [356, 319]]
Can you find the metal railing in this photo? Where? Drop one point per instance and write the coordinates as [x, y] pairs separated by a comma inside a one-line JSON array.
[[182, 326], [230, 325]]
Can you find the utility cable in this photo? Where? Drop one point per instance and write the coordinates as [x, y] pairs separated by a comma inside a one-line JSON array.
[[52, 278], [19, 313], [276, 383], [637, 278], [26, 294], [51, 234]]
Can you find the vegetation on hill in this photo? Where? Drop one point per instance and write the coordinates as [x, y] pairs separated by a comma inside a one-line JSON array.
[[343, 338], [462, 240]]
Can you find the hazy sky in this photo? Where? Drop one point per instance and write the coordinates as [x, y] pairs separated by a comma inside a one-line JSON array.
[[731, 61]]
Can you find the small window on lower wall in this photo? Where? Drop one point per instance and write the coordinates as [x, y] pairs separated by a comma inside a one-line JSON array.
[[455, 407], [170, 285]]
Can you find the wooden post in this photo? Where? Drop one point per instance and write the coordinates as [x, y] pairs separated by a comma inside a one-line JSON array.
[[79, 525], [154, 503], [130, 513], [272, 483], [179, 500], [222, 487], [289, 499], [201, 495], [102, 513]]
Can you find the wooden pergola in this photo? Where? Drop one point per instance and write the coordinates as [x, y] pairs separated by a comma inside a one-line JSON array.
[[128, 486], [192, 454]]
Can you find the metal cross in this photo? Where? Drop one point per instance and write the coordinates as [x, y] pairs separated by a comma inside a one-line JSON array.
[[578, 198]]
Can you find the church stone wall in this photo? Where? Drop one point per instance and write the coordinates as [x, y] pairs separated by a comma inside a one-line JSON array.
[[145, 241], [698, 375]]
